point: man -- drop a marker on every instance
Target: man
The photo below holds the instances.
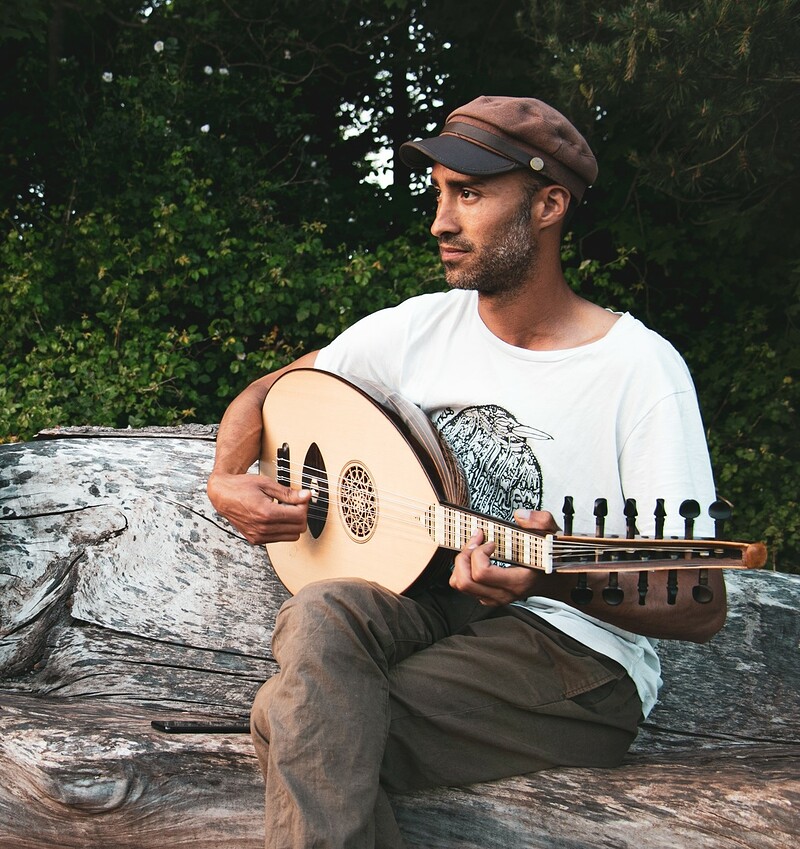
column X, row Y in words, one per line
column 541, row 395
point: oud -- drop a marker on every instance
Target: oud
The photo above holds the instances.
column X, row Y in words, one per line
column 388, row 499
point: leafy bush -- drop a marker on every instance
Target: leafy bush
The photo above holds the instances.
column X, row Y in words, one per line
column 167, row 325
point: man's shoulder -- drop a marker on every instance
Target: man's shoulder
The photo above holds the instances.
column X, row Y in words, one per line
column 426, row 309
column 629, row 330
column 451, row 299
column 647, row 352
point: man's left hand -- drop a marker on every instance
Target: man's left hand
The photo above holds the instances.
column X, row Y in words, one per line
column 475, row 574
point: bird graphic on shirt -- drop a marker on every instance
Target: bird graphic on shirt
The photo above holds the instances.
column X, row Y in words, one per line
column 493, row 449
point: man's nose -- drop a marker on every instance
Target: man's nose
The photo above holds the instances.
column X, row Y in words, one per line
column 445, row 220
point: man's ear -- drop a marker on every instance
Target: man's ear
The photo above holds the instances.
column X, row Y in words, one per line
column 554, row 203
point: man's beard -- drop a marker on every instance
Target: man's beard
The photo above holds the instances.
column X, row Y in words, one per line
column 500, row 268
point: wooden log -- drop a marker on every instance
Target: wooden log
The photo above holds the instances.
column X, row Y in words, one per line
column 123, row 538
column 724, row 801
column 77, row 774
column 124, row 597
column 88, row 774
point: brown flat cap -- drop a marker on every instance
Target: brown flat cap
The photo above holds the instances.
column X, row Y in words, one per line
column 493, row 135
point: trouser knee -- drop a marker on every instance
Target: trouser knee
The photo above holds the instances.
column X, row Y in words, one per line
column 323, row 608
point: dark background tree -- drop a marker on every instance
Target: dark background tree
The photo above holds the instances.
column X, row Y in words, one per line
column 187, row 198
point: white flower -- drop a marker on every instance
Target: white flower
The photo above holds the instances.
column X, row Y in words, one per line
column 107, row 77
column 208, row 70
column 224, row 72
column 205, row 128
column 159, row 47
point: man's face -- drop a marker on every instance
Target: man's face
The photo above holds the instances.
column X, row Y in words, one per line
column 483, row 226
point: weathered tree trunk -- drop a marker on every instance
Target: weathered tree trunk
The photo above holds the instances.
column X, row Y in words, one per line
column 124, row 598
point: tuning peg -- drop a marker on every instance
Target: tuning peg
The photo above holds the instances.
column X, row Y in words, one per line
column 720, row 511
column 642, row 586
column 701, row 592
column 672, row 586
column 613, row 594
column 661, row 514
column 600, row 513
column 581, row 593
column 689, row 510
column 630, row 517
column 568, row 511
column 613, row 590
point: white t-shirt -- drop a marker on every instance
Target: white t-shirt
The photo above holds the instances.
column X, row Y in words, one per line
column 614, row 419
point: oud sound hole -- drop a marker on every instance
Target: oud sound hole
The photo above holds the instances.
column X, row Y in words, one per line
column 315, row 479
column 358, row 502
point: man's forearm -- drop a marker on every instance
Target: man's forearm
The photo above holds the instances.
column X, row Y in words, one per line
column 239, row 436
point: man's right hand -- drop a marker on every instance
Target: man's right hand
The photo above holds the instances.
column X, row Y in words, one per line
column 261, row 509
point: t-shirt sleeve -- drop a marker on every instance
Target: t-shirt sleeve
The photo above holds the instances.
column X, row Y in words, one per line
column 666, row 456
column 371, row 349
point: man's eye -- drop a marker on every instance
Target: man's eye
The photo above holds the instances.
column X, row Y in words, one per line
column 467, row 194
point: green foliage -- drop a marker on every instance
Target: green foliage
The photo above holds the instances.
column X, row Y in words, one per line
column 167, row 235
column 598, row 281
column 750, row 397
column 173, row 321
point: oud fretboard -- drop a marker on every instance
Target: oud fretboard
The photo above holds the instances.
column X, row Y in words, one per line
column 451, row 528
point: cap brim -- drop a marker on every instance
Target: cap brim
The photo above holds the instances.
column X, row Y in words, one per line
column 455, row 153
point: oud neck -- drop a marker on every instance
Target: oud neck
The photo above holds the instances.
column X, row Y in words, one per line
column 451, row 528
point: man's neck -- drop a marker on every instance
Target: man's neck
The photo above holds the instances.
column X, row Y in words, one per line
column 547, row 316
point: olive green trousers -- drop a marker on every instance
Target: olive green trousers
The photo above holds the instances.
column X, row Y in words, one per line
column 383, row 693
